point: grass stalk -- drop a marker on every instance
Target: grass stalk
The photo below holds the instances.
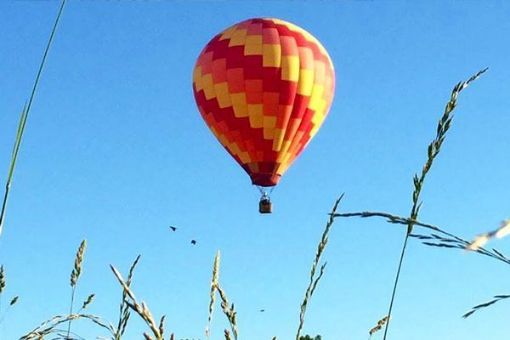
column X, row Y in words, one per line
column 50, row 326
column 229, row 311
column 227, row 307
column 432, row 152
column 23, row 120
column 75, row 275
column 140, row 308
column 314, row 279
column 212, row 294
column 437, row 237
column 124, row 310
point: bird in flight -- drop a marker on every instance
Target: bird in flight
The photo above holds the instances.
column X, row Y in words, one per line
column 193, row 242
column 173, row 228
column 262, row 310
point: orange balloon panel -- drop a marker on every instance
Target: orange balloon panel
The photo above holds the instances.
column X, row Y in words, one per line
column 264, row 87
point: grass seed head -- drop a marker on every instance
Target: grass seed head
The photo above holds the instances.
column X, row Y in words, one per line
column 78, row 261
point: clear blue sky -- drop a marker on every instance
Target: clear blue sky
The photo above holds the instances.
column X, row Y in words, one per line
column 115, row 151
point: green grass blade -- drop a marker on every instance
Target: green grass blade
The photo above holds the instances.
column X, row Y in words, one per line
column 23, row 120
column 12, row 166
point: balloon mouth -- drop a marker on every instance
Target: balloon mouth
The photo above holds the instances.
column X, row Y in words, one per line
column 265, row 179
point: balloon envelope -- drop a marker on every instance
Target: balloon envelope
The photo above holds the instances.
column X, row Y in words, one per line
column 263, row 87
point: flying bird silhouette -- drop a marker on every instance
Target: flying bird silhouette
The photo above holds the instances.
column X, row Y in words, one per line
column 173, row 228
column 193, row 242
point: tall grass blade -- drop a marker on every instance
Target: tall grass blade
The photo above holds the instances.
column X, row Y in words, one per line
column 23, row 120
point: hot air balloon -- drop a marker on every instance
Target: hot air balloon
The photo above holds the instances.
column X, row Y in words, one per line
column 264, row 86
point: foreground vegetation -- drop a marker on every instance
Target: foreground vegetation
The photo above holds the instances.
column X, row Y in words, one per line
column 60, row 326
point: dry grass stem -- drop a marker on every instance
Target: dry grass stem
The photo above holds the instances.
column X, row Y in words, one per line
column 314, row 279
column 228, row 310
column 212, row 294
column 162, row 325
column 140, row 308
column 50, row 326
column 227, row 335
column 124, row 310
